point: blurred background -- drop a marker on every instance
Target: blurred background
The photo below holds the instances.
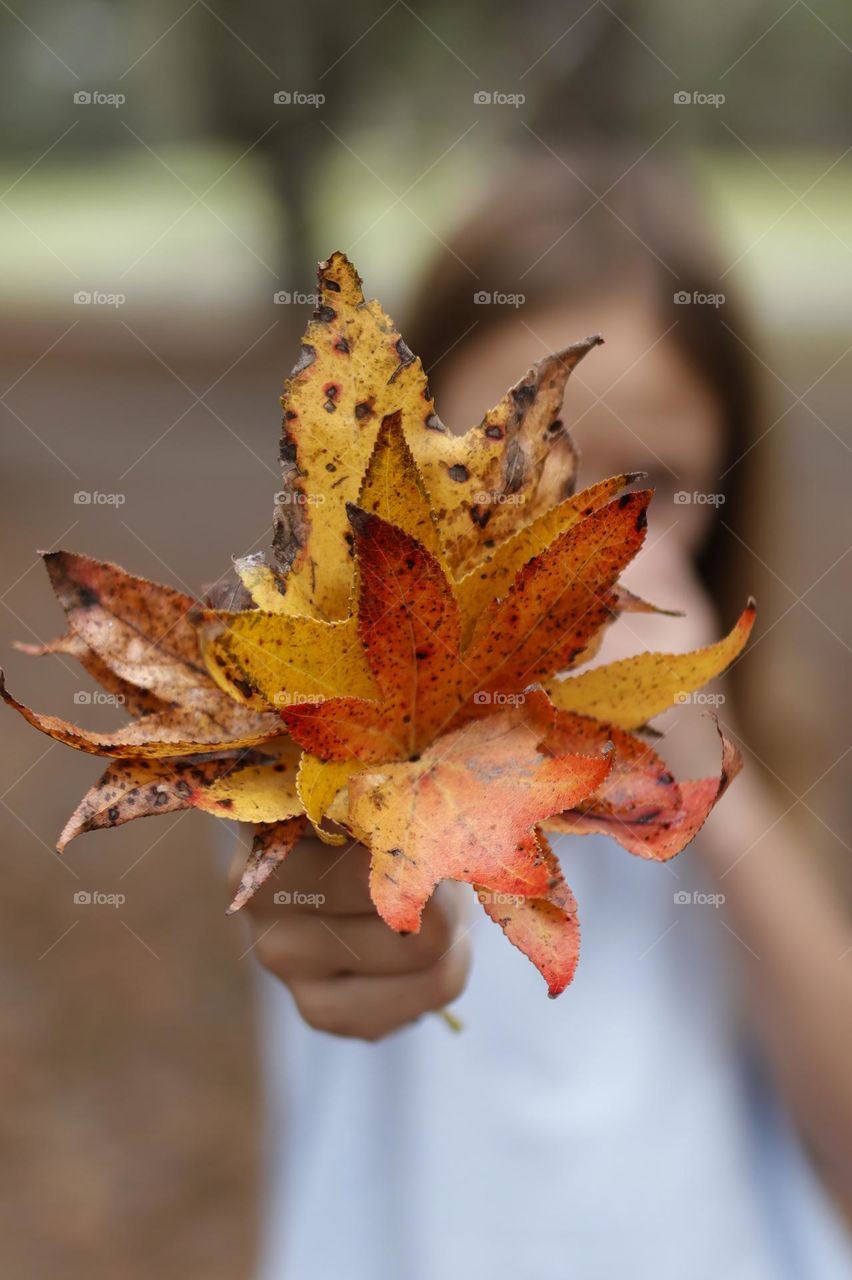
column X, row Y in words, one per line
column 169, row 177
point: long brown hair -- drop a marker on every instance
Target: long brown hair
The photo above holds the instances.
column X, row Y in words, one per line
column 647, row 233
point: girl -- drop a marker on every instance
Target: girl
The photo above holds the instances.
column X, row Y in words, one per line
column 636, row 1126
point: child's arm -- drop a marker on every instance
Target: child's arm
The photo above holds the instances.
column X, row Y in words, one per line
column 795, row 942
column 349, row 973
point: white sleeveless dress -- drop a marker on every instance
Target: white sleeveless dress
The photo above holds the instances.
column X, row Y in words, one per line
column 622, row 1130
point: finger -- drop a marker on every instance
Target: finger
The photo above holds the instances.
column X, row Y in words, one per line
column 369, row 1008
column 313, row 875
column 304, row 945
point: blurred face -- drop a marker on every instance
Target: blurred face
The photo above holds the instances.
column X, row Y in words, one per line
column 632, row 404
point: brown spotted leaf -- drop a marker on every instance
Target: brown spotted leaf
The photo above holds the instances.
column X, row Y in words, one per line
column 142, row 631
column 666, row 835
column 166, row 733
column 354, row 370
column 558, row 601
column 634, row 690
column 137, row 701
column 467, row 810
column 271, row 845
column 253, row 786
column 546, row 929
column 497, row 569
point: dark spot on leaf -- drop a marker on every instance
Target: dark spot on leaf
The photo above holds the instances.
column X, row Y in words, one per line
column 331, row 285
column 480, row 516
column 623, row 501
column 406, row 357
column 641, row 520
column 494, row 432
column 86, row 598
column 459, row 472
column 363, row 410
column 113, row 814
column 325, row 314
column 342, row 345
column 523, row 396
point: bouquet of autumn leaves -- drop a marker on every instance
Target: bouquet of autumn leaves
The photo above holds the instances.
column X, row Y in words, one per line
column 402, row 670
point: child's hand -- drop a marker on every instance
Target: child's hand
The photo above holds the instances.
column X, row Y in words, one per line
column 349, row 973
